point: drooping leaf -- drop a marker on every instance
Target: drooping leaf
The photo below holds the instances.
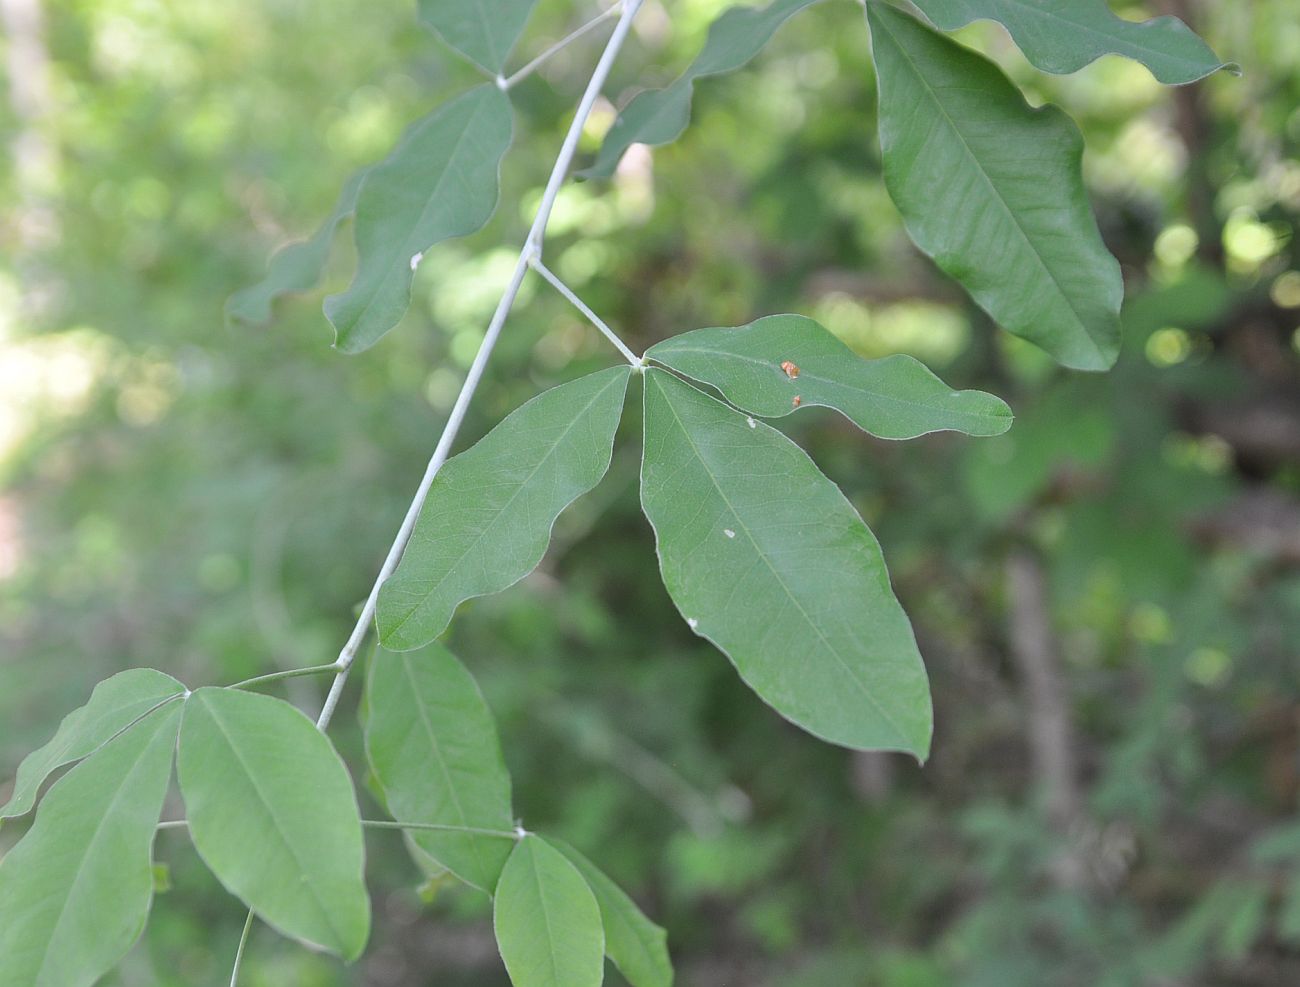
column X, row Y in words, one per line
column 658, row 116
column 547, row 922
column 75, row 891
column 434, row 751
column 765, row 558
column 637, row 946
column 113, row 705
column 993, row 191
column 1063, row 36
column 484, row 31
column 440, row 182
column 488, row 517
column 296, row 266
column 272, row 812
column 783, row 362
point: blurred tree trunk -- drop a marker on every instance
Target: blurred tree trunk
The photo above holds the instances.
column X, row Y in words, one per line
column 35, row 156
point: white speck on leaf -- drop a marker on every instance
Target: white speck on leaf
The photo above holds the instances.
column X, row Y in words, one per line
column 415, row 260
column 752, row 423
column 692, row 623
column 728, row 532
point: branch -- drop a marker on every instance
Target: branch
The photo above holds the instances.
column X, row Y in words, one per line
column 532, row 249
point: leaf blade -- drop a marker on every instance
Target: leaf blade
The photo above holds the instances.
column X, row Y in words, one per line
column 766, row 559
column 440, row 182
column 978, row 184
column 484, row 31
column 76, row 890
column 435, row 753
column 658, row 116
column 487, row 519
column 547, row 923
column 1062, row 36
column 893, row 398
column 637, row 946
column 112, row 706
column 273, row 814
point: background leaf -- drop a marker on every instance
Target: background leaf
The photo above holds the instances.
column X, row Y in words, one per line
column 1063, row 36
column 75, row 891
column 638, row 947
column 488, row 517
column 764, row 557
column 547, row 922
column 658, row 116
column 894, row 398
column 296, row 266
column 993, row 191
column 440, row 182
column 433, row 748
column 273, row 814
column 113, row 705
column 484, row 31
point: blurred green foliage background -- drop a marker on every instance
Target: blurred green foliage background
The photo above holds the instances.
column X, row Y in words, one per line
column 1108, row 598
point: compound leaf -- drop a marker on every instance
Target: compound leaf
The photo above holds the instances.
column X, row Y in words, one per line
column 547, row 922
column 296, row 266
column 488, row 517
column 637, row 946
column 658, row 116
column 440, row 182
column 1063, row 36
column 765, row 558
column 272, row 812
column 114, row 704
column 75, row 891
column 433, row 749
column 993, row 191
column 484, row 31
column 783, row 362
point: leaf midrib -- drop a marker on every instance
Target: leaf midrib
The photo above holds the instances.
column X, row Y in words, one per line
column 902, row 734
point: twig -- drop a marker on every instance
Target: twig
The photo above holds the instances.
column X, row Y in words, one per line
column 239, row 953
column 517, row 77
column 532, row 248
column 581, row 306
column 291, row 673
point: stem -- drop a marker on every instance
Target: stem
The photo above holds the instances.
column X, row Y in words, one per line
column 536, row 63
column 292, row 673
column 501, row 834
column 239, row 953
column 532, row 247
column 581, row 306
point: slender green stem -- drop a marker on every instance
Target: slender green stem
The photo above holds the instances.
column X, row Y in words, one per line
column 554, row 281
column 292, row 673
column 559, row 46
column 239, row 953
column 501, row 834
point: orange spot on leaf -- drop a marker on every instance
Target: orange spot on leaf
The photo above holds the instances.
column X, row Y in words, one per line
column 790, row 369
column 797, row 400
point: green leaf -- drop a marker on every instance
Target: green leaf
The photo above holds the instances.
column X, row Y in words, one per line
column 993, row 191
column 75, row 891
column 638, row 947
column 115, row 704
column 440, row 182
column 547, row 921
column 295, row 267
column 658, row 116
column 273, row 814
column 763, row 367
column 765, row 557
column 488, row 517
column 1063, row 36
column 484, row 31
column 434, row 751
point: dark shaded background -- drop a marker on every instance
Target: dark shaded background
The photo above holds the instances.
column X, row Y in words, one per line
column 1108, row 598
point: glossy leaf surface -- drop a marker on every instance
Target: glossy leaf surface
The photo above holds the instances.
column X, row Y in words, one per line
column 440, row 182
column 433, row 748
column 658, row 116
column 547, row 922
column 273, row 814
column 484, row 31
column 488, row 517
column 993, row 191
column 296, row 266
column 1063, row 36
column 762, row 368
column 75, row 891
column 765, row 558
column 113, row 705
column 637, row 946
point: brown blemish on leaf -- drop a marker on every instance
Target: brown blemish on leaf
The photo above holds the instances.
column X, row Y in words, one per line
column 790, row 369
column 797, row 400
